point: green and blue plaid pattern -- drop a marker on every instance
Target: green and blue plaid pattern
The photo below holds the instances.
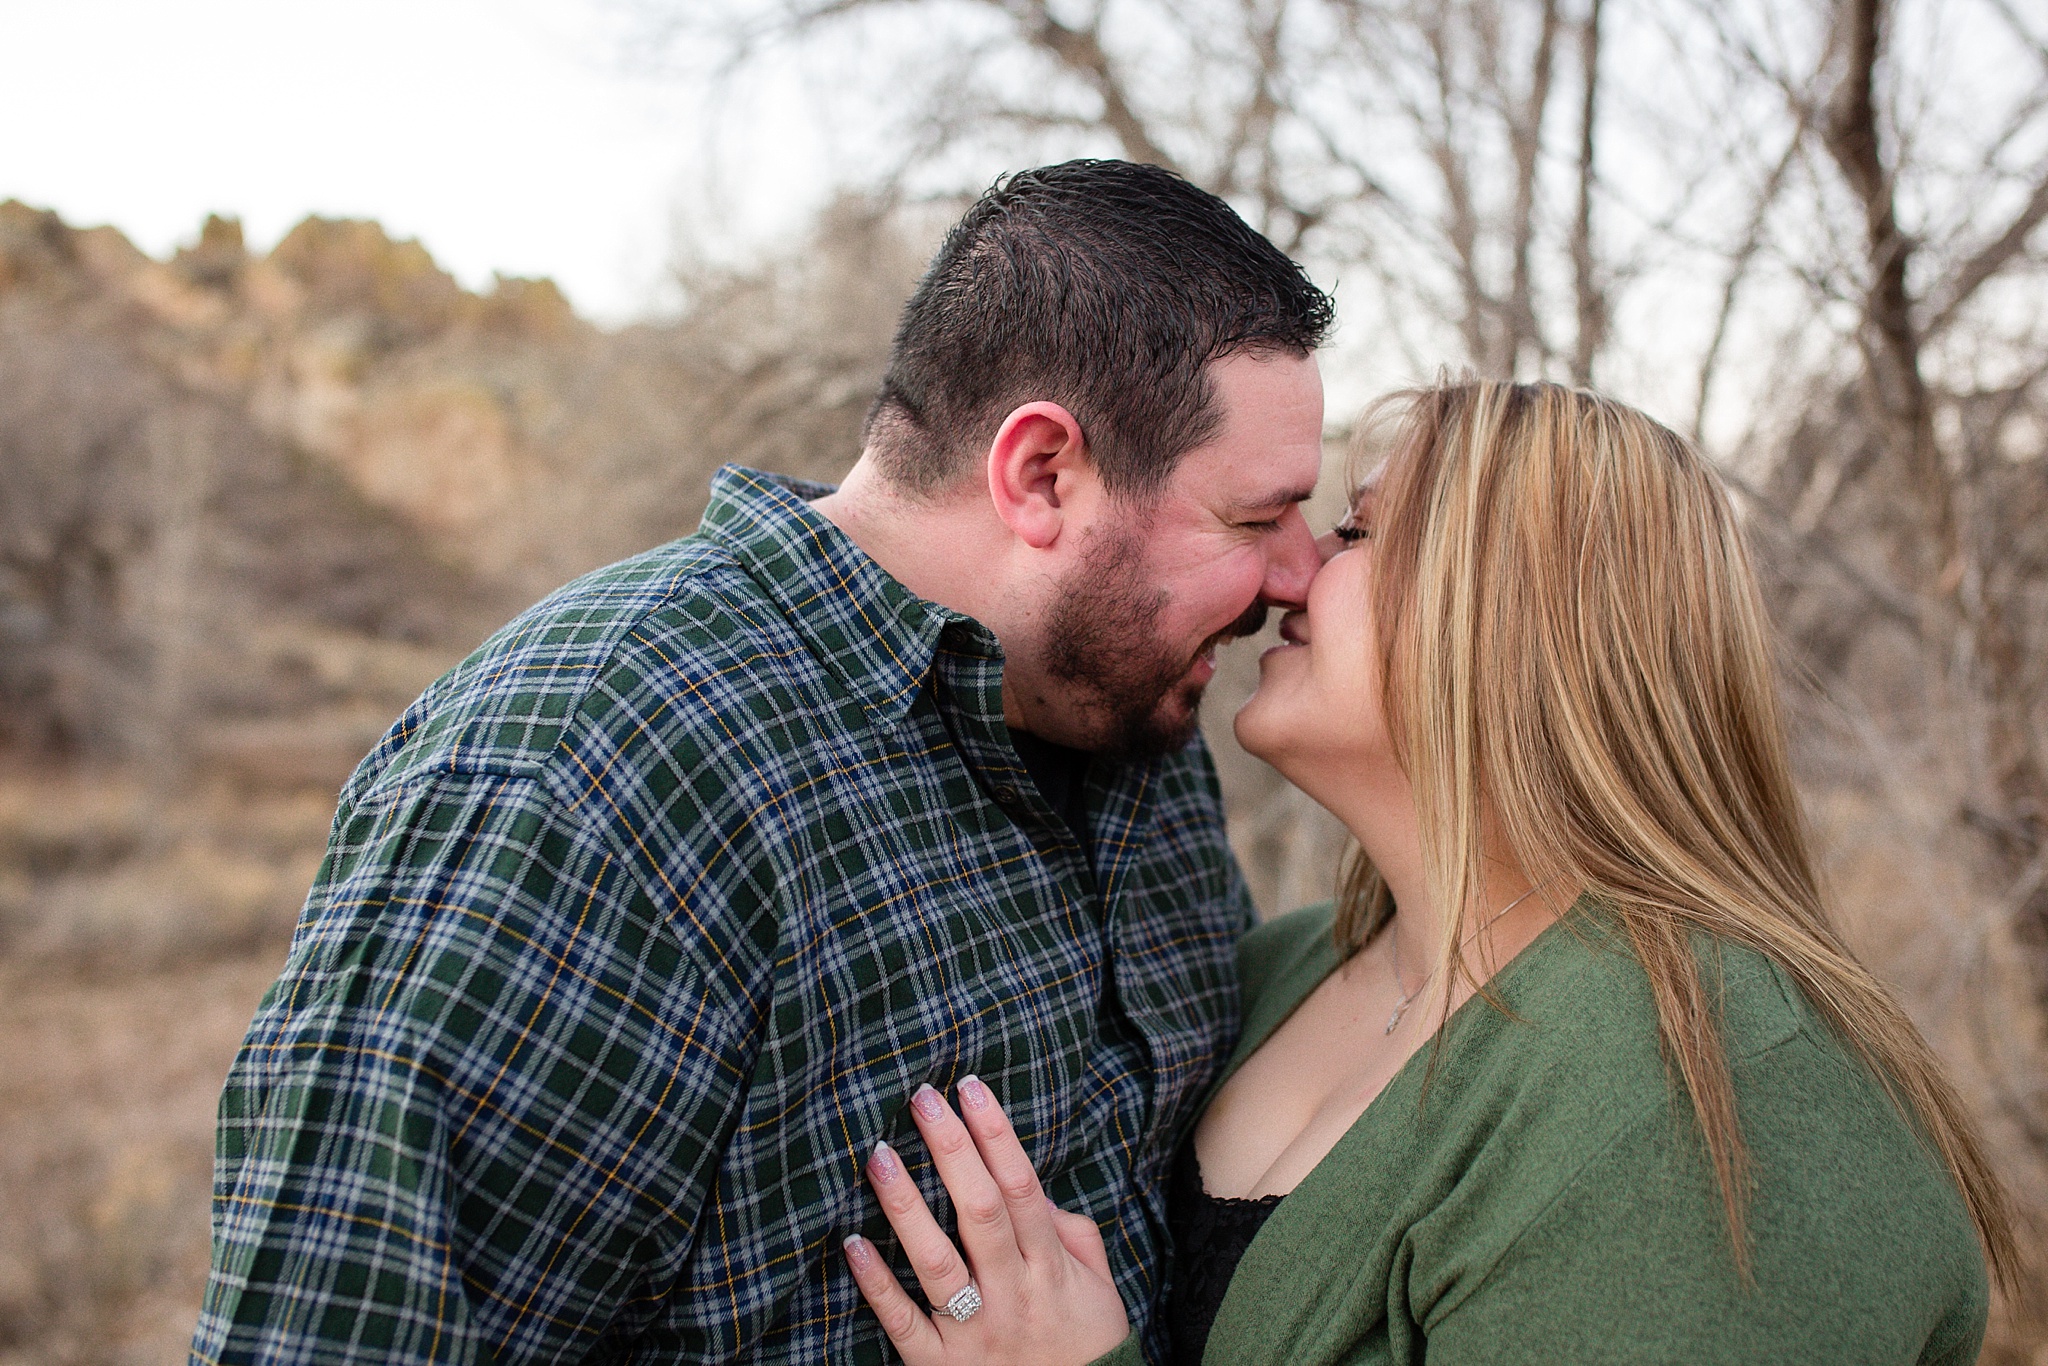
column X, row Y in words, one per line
column 641, row 927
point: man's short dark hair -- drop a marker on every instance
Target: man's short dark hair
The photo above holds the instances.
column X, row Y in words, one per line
column 1103, row 286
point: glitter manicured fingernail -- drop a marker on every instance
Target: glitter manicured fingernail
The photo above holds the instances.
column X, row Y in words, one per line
column 973, row 1094
column 928, row 1103
column 883, row 1164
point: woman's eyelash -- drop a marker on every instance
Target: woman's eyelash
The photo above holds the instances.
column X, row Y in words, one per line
column 1352, row 534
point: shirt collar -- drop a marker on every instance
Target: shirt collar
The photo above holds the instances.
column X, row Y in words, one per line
column 874, row 634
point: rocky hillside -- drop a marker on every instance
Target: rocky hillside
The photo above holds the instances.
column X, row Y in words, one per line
column 239, row 487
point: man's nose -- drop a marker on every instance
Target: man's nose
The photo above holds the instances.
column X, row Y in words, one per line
column 1292, row 561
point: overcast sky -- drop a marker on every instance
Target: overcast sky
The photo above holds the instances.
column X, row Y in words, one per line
column 507, row 135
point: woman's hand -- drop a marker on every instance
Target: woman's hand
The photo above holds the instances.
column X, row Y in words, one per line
column 1047, row 1296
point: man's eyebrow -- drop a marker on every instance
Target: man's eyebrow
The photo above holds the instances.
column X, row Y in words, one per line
column 1275, row 500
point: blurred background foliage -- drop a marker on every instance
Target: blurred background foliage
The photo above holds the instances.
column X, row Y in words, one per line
column 251, row 502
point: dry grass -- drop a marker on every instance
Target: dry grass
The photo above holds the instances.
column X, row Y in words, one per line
column 107, row 1091
column 1911, row 911
column 141, row 927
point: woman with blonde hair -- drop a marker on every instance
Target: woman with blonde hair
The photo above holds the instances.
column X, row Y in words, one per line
column 1577, row 1068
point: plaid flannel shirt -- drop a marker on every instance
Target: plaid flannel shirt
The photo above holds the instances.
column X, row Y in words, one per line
column 640, row 928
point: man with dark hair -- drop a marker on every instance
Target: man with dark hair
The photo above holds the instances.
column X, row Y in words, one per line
column 1102, row 286
column 646, row 923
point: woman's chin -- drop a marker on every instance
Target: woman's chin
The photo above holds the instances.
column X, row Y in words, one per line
column 1261, row 724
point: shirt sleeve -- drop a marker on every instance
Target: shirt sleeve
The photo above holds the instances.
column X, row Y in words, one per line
column 475, row 1118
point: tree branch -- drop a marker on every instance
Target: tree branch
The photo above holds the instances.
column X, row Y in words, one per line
column 2030, row 40
column 1081, row 52
column 1256, row 117
column 1890, row 341
column 1525, row 138
column 1738, row 270
column 1586, row 292
column 1990, row 260
column 1460, row 224
column 1899, row 607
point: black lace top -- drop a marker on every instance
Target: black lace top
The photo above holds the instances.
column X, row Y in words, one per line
column 1210, row 1235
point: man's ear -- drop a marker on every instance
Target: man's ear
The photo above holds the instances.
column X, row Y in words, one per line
column 1036, row 465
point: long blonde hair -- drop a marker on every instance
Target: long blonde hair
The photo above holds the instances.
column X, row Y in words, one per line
column 1572, row 638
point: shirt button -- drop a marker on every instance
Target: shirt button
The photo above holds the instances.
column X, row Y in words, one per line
column 1006, row 794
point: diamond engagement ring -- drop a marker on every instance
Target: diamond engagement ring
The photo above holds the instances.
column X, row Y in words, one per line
column 965, row 1304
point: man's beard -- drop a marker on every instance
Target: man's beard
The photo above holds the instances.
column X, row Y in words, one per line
column 1101, row 639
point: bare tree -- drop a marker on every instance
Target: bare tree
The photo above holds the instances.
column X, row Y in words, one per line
column 1364, row 136
column 1952, row 499
column 1814, row 229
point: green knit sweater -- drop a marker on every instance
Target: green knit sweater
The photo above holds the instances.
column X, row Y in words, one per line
column 1545, row 1196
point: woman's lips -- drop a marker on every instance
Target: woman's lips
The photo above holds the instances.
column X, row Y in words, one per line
column 1293, row 635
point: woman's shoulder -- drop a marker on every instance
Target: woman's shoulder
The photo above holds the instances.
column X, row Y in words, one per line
column 1570, row 1125
column 1578, row 997
column 1568, row 1062
column 1582, row 978
column 1583, row 1004
column 1589, row 984
column 1287, row 956
column 1829, row 1149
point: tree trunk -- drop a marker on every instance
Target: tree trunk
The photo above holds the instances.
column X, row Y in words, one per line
column 1586, row 292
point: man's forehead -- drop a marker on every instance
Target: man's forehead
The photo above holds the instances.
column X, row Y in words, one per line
column 1263, row 469
column 1255, row 483
column 1267, row 452
column 1243, row 486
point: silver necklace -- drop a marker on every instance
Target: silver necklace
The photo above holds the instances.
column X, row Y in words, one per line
column 1394, row 953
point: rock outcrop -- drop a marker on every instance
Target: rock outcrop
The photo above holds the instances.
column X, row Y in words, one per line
column 205, row 458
